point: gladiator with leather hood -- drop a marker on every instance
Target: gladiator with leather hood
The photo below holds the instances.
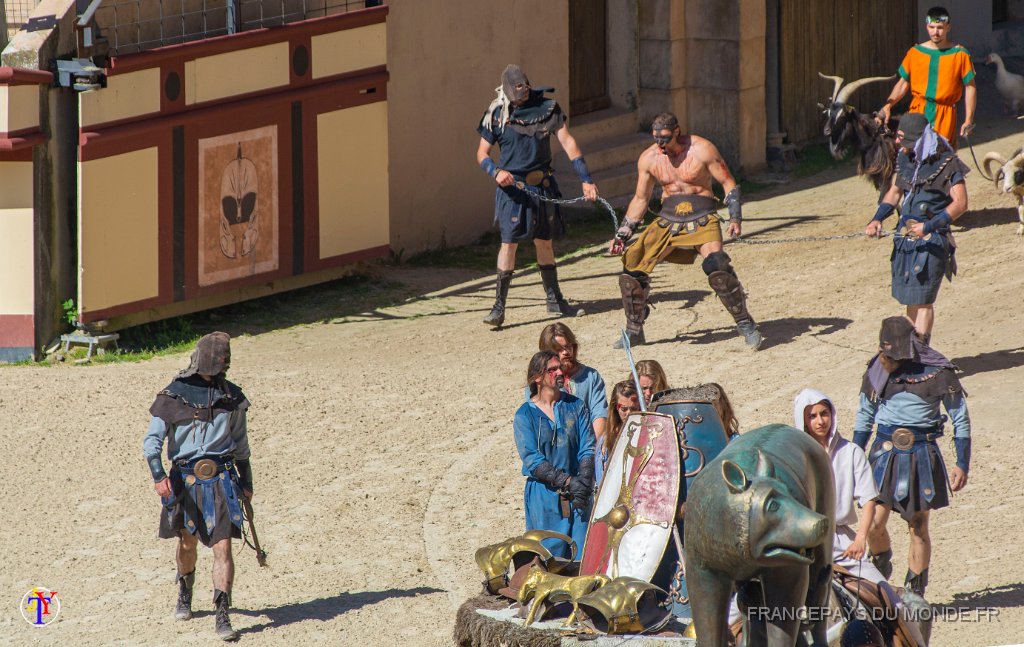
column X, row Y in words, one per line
column 903, row 389
column 201, row 418
column 684, row 166
column 520, row 121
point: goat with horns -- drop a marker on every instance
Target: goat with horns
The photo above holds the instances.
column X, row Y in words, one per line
column 846, row 128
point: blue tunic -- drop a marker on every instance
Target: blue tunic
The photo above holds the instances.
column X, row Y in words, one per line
column 563, row 442
column 519, row 215
column 918, row 265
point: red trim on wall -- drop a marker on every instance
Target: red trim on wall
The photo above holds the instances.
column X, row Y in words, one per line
column 22, row 139
column 345, row 87
column 17, row 331
column 22, row 76
column 254, row 38
column 17, row 155
column 106, row 313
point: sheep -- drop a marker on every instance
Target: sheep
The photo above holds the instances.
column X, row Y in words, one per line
column 1009, row 178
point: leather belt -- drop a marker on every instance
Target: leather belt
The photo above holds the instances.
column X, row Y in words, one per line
column 204, row 468
column 904, row 438
column 681, row 209
column 534, row 178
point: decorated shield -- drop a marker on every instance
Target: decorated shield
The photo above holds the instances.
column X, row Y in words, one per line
column 635, row 507
column 699, row 428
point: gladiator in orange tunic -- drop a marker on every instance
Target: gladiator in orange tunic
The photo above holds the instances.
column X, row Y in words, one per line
column 937, row 78
column 937, row 73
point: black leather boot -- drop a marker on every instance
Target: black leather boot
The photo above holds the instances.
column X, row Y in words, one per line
column 730, row 292
column 222, row 600
column 183, row 610
column 556, row 302
column 916, row 582
column 497, row 315
column 635, row 290
column 883, row 562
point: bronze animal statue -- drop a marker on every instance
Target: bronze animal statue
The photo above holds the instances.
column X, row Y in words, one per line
column 846, row 128
column 764, row 510
column 541, row 585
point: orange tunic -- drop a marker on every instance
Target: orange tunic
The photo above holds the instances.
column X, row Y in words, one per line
column 937, row 78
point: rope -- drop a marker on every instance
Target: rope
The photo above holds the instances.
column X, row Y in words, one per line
column 974, row 157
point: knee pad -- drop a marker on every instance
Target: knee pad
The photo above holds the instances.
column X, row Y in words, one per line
column 641, row 278
column 717, row 262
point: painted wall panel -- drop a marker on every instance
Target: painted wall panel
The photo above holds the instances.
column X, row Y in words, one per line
column 15, row 185
column 346, row 51
column 233, row 73
column 118, row 244
column 352, row 164
column 19, row 107
column 126, row 96
column 16, row 262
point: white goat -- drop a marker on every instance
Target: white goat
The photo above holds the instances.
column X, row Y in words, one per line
column 1009, row 178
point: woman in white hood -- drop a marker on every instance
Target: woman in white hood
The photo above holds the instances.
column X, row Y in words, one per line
column 814, row 412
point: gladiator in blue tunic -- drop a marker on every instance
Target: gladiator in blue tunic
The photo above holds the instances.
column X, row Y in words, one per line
column 903, row 406
column 553, row 451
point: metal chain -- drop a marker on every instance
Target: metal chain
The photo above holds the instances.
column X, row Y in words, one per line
column 543, row 198
column 804, row 239
column 676, row 586
column 774, row 241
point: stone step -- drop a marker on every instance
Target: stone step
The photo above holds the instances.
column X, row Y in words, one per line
column 603, row 123
column 607, row 152
column 616, row 182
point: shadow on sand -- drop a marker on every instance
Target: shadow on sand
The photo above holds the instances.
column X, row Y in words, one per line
column 324, row 609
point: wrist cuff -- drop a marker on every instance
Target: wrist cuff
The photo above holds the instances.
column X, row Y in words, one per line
column 156, row 468
column 489, row 167
column 884, row 211
column 937, row 222
column 580, row 166
column 963, row 453
column 860, row 439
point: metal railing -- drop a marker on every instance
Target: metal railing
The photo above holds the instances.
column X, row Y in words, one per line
column 131, row 26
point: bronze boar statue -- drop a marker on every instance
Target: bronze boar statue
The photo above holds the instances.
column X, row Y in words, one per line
column 760, row 521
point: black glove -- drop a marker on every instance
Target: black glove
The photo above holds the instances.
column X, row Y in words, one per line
column 244, row 473
column 581, row 488
column 551, row 476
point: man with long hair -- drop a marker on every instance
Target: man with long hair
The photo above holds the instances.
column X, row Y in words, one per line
column 555, row 442
column 580, row 380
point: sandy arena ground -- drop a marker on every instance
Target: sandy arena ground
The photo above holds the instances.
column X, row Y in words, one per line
column 383, row 450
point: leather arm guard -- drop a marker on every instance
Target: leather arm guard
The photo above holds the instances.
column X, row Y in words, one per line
column 244, row 473
column 580, row 166
column 626, row 229
column 551, row 476
column 732, row 200
column 582, row 486
column 963, row 452
column 156, row 467
column 937, row 222
column 860, row 439
column 884, row 211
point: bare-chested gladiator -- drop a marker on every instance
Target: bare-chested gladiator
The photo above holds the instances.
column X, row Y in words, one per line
column 684, row 166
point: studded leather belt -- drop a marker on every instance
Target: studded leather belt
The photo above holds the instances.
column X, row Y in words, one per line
column 904, row 438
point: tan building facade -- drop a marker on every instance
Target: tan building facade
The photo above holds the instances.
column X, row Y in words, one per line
column 361, row 130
